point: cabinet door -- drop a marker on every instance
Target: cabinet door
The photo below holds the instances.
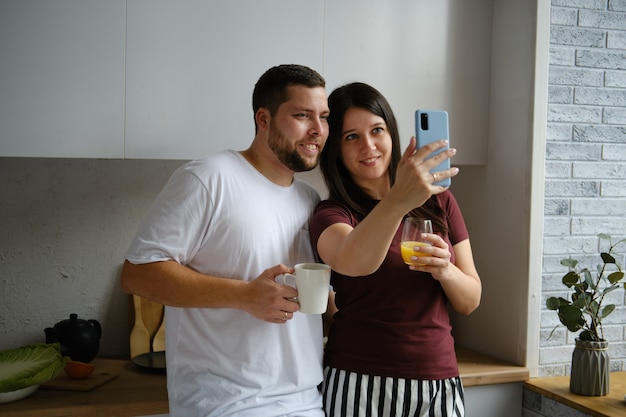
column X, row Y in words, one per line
column 495, row 400
column 419, row 54
column 62, row 78
column 192, row 66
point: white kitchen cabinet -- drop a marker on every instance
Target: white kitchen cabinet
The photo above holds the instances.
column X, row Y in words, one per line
column 497, row 400
column 62, row 78
column 173, row 79
column 419, row 54
column 192, row 66
column 191, row 69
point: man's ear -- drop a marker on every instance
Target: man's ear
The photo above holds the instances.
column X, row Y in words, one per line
column 262, row 118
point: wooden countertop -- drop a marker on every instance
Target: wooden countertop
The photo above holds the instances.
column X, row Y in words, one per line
column 557, row 389
column 135, row 392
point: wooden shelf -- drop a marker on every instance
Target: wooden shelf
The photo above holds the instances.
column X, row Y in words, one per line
column 478, row 369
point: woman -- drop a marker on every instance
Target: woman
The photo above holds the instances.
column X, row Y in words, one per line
column 390, row 350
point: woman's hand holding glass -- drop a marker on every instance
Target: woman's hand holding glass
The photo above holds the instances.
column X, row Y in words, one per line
column 417, row 236
column 412, row 239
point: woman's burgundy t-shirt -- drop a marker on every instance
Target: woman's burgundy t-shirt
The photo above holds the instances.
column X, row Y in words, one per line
column 394, row 322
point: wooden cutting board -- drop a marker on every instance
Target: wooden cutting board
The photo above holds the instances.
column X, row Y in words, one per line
column 149, row 322
column 93, row 381
column 152, row 314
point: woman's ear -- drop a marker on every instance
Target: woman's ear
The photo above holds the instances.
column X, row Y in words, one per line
column 262, row 118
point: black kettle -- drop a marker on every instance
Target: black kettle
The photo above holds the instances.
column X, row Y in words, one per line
column 79, row 339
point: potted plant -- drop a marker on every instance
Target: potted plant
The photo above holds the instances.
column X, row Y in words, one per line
column 584, row 312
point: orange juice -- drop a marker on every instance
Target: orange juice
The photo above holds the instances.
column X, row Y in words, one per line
column 406, row 249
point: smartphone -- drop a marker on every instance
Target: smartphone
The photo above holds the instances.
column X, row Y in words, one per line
column 431, row 126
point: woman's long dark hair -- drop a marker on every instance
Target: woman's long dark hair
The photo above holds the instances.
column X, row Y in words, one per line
column 340, row 183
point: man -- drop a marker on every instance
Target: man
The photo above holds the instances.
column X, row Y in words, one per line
column 210, row 249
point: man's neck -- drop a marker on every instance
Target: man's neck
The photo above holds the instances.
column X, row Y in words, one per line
column 268, row 165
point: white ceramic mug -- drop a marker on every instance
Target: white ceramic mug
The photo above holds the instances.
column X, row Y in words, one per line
column 313, row 284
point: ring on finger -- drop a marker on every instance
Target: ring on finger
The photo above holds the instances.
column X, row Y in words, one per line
column 434, row 177
column 285, row 316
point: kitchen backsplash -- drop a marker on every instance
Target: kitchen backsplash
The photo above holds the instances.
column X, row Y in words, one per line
column 66, row 225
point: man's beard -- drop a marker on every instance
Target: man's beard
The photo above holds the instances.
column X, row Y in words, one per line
column 289, row 156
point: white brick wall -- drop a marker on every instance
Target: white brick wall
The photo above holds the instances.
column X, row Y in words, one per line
column 585, row 187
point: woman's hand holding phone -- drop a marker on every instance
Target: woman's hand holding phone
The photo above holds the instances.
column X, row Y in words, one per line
column 414, row 180
column 432, row 126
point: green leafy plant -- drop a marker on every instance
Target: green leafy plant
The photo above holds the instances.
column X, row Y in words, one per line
column 585, row 311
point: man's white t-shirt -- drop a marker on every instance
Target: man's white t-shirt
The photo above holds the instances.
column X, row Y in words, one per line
column 221, row 217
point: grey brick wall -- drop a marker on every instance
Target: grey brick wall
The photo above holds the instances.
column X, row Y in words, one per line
column 585, row 188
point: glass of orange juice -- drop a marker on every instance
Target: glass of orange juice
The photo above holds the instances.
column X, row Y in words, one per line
column 412, row 230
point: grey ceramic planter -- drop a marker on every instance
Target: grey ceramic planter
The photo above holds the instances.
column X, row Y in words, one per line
column 590, row 368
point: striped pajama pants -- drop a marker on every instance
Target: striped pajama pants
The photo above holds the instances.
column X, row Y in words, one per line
column 349, row 394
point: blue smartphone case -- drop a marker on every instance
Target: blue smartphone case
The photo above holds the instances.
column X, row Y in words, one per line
column 431, row 126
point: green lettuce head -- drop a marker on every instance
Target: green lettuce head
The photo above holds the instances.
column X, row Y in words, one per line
column 30, row 365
